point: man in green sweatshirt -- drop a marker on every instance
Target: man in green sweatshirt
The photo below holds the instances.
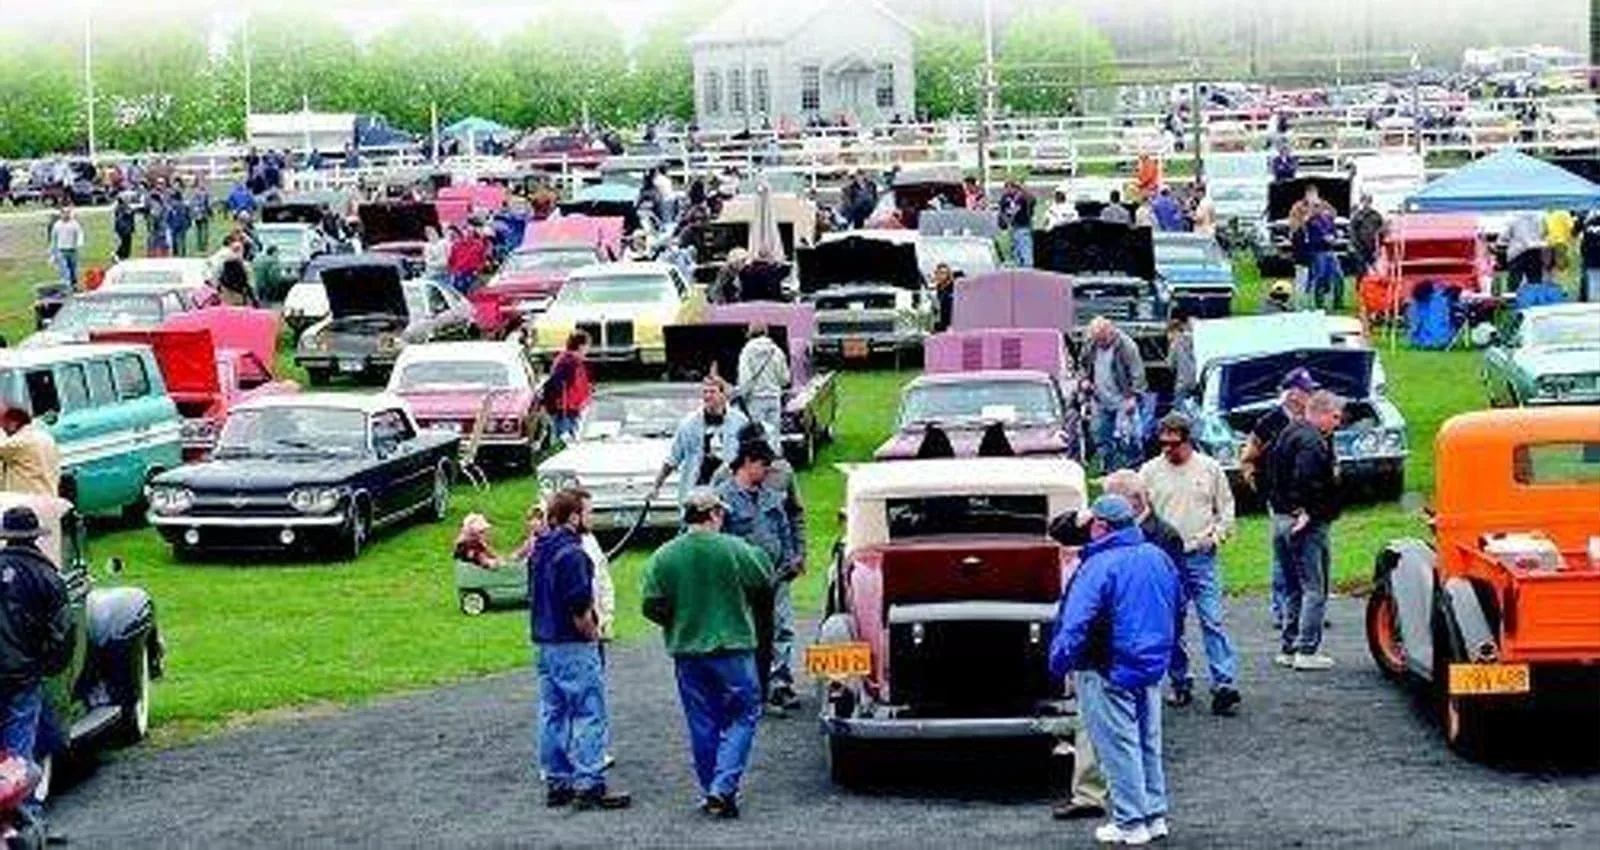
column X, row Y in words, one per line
column 704, row 589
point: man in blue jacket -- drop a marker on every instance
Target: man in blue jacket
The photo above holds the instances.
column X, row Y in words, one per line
column 1115, row 634
column 573, row 729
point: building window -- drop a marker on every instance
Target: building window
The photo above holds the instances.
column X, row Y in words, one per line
column 886, row 85
column 811, row 88
column 760, row 91
column 736, row 91
column 713, row 93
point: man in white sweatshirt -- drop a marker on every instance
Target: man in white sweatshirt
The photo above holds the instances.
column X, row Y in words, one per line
column 763, row 378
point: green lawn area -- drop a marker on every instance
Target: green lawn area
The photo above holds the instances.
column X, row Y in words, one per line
column 246, row 639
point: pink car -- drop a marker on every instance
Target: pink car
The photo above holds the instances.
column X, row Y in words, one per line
column 453, row 386
column 527, row 282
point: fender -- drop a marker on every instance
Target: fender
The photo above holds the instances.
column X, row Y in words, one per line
column 1407, row 567
column 1473, row 628
column 119, row 615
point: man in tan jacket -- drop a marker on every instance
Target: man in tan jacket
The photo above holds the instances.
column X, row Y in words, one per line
column 29, row 459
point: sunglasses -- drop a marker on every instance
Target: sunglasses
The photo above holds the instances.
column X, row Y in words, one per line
column 1170, row 444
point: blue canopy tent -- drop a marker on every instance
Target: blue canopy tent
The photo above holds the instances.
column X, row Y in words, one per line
column 1507, row 180
column 481, row 128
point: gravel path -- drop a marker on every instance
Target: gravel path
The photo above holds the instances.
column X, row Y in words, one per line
column 1341, row 758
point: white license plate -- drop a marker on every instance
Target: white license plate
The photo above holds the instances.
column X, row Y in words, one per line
column 351, row 366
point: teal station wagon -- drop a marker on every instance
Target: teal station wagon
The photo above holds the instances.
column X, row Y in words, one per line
column 110, row 415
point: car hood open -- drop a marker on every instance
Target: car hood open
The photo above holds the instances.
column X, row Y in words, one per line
column 187, row 358
column 1283, row 194
column 373, row 289
column 1090, row 247
column 855, row 259
column 397, row 221
column 1247, row 380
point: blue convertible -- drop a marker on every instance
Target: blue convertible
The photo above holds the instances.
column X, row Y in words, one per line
column 1198, row 272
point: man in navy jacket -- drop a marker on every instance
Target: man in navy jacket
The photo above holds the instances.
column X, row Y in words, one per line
column 1115, row 633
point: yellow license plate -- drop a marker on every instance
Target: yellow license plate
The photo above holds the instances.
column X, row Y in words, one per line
column 1478, row 679
column 838, row 660
column 856, row 349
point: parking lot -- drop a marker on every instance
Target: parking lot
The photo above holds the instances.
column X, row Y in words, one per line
column 1337, row 759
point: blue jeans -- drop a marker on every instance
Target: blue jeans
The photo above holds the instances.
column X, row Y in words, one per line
column 1327, row 279
column 573, row 730
column 1278, row 588
column 1022, row 247
column 722, row 705
column 767, row 411
column 1305, row 573
column 69, row 266
column 1203, row 587
column 1114, row 454
column 782, row 637
column 1125, row 727
column 564, row 426
column 1591, row 285
column 19, row 728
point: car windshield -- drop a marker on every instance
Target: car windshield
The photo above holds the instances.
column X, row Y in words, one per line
column 145, row 277
column 454, row 373
column 105, row 313
column 270, row 431
column 1188, row 252
column 1563, row 329
column 621, row 289
column 986, row 401
column 944, row 516
column 964, row 255
column 538, row 261
column 637, row 415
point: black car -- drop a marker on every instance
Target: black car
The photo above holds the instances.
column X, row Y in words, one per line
column 316, row 470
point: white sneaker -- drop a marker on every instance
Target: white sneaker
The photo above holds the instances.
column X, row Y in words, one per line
column 1157, row 829
column 1112, row 834
column 1313, row 662
column 1284, row 659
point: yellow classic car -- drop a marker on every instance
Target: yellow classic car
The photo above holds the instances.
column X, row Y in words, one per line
column 622, row 307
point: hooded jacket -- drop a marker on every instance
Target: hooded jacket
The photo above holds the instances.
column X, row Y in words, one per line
column 1119, row 615
column 35, row 619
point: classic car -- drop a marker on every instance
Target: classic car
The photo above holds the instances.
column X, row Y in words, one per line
column 602, row 234
column 796, row 219
column 400, row 229
column 1446, row 249
column 108, row 410
column 373, row 314
column 606, row 201
column 1198, row 272
column 451, row 385
column 1019, row 380
column 623, row 308
column 869, row 294
column 295, row 245
column 1014, row 298
column 112, row 309
column 811, row 402
column 1275, row 258
column 103, row 696
column 939, row 609
column 1498, row 617
column 964, row 240
column 306, row 470
column 1240, row 362
column 306, row 303
column 211, row 360
column 915, row 190
column 526, row 283
column 622, row 443
column 162, row 274
column 1548, row 355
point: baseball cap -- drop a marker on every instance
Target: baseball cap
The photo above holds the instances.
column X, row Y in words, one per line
column 703, row 500
column 1114, row 511
column 1299, row 379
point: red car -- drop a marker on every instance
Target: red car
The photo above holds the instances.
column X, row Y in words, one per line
column 1445, row 249
column 527, row 282
column 485, row 391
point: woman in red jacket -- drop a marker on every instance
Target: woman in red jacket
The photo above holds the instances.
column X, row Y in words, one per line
column 567, row 390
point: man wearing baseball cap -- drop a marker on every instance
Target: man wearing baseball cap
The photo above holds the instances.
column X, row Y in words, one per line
column 1115, row 632
column 1295, row 388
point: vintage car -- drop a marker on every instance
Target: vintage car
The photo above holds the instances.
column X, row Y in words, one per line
column 869, row 294
column 1198, row 272
column 796, row 218
column 108, row 410
column 811, row 402
column 1548, row 355
column 1446, row 249
column 211, row 360
column 1240, row 362
column 294, row 245
column 373, row 314
column 1275, row 258
column 962, row 239
column 162, row 274
column 452, row 385
column 103, row 696
column 1017, row 380
column 305, row 470
column 622, row 307
column 940, row 607
column 915, row 190
column 1499, row 616
column 605, row 201
column 527, row 283
column 623, row 441
column 112, row 309
column 399, row 229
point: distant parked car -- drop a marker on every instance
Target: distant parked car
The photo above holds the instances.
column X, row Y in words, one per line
column 485, row 391
column 1549, row 355
column 1198, row 273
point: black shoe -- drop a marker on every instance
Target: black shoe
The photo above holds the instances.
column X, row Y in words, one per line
column 556, row 796
column 600, row 798
column 719, row 807
column 1225, row 702
column 1068, row 810
column 784, row 698
column 1180, row 697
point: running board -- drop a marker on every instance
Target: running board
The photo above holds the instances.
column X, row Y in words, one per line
column 97, row 721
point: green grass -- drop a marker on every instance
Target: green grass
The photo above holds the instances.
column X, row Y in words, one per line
column 246, row 639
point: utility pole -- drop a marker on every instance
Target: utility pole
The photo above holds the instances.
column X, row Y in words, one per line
column 1196, row 118
column 987, row 108
column 245, row 41
column 88, row 75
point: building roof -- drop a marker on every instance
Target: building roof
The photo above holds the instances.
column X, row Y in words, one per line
column 758, row 21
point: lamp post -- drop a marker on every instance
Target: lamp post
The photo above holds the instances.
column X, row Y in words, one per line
column 244, row 38
column 987, row 108
column 88, row 75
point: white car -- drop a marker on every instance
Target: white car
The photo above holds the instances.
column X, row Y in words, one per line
column 161, row 274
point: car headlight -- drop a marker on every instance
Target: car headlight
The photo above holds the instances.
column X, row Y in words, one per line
column 320, row 341
column 1146, row 311
column 1555, row 385
column 170, row 500
column 315, row 500
column 1392, row 442
column 1365, row 444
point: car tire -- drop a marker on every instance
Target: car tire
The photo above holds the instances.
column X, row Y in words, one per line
column 439, row 493
column 849, row 762
column 1383, row 632
column 473, row 602
column 317, row 376
column 353, row 535
column 134, row 724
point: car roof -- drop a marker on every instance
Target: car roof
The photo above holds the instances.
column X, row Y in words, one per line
column 1019, row 376
column 24, row 358
column 622, row 269
column 977, row 476
column 435, row 352
column 364, row 402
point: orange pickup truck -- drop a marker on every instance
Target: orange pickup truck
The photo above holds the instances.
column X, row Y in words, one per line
column 1500, row 615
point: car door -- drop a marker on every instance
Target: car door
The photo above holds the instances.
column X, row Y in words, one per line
column 403, row 468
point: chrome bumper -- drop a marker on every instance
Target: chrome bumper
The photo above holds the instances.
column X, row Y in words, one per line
column 950, row 728
column 180, row 521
